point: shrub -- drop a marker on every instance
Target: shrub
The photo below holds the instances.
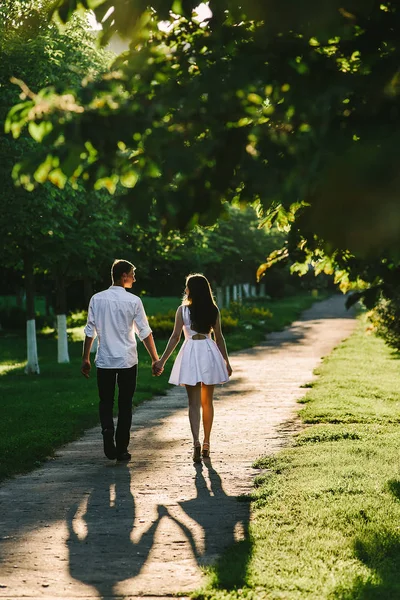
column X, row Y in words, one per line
column 247, row 315
column 228, row 323
column 43, row 321
column 162, row 324
column 77, row 319
column 385, row 317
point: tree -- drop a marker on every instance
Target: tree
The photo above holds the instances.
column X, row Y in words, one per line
column 80, row 246
column 227, row 252
column 291, row 105
column 34, row 50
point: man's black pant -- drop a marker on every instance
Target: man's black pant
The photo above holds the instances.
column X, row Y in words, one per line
column 106, row 380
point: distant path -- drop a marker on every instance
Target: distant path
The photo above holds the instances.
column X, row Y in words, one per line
column 82, row 527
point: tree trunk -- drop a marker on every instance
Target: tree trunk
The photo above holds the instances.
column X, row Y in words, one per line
column 32, row 365
column 19, row 297
column 61, row 310
column 87, row 290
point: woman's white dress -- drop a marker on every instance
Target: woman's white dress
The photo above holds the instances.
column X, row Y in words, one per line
column 198, row 360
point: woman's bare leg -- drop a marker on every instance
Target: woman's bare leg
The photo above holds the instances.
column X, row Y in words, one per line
column 194, row 398
column 207, row 393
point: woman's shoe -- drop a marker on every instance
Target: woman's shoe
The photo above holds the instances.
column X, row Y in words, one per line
column 197, row 454
column 206, row 450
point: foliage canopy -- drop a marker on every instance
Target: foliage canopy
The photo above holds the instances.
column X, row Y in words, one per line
column 293, row 105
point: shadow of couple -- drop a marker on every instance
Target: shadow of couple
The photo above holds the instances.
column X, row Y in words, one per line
column 106, row 546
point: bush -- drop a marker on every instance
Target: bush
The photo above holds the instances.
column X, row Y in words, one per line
column 247, row 315
column 43, row 321
column 385, row 317
column 162, row 324
column 228, row 323
column 77, row 319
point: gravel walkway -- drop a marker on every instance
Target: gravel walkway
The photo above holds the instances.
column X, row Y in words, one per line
column 82, row 527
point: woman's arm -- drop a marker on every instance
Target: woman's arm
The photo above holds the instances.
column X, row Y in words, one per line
column 220, row 341
column 174, row 339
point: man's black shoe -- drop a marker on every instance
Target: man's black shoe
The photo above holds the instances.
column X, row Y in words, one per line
column 108, row 443
column 123, row 457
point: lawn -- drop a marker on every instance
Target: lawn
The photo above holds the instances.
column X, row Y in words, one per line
column 326, row 512
column 162, row 305
column 42, row 412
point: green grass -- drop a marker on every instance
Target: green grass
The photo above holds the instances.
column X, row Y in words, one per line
column 41, row 413
column 365, row 395
column 326, row 512
column 162, row 305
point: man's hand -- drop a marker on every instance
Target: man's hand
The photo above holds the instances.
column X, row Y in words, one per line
column 157, row 367
column 85, row 368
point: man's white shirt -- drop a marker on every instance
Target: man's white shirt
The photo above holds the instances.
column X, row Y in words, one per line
column 115, row 315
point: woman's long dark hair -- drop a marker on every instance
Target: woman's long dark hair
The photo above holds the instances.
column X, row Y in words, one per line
column 203, row 310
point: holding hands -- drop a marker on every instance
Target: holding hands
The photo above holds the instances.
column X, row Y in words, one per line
column 157, row 367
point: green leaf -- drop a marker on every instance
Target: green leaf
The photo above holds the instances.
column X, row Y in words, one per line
column 39, row 130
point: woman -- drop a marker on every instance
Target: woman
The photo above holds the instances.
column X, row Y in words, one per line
column 202, row 362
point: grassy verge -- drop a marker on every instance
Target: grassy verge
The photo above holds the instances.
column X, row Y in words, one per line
column 41, row 413
column 327, row 511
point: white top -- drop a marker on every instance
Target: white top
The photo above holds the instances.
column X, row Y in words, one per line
column 115, row 315
column 198, row 360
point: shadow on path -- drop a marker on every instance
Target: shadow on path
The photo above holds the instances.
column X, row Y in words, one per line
column 102, row 551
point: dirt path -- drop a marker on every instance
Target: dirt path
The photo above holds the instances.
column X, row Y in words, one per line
column 83, row 527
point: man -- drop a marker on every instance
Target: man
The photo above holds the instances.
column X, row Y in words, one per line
column 115, row 316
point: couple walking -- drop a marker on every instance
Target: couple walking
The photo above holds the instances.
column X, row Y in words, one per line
column 114, row 316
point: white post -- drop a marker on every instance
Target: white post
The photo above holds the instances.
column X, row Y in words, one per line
column 220, row 297
column 262, row 289
column 32, row 365
column 240, row 293
column 246, row 289
column 235, row 293
column 227, row 296
column 253, row 291
column 62, row 339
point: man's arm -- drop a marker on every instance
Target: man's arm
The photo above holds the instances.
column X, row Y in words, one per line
column 143, row 331
column 151, row 348
column 86, row 366
column 90, row 334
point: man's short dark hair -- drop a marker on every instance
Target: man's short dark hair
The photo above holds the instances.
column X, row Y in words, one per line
column 119, row 267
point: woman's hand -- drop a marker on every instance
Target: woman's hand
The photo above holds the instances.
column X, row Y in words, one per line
column 229, row 368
